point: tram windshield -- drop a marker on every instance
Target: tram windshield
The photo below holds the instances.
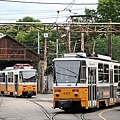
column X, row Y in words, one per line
column 66, row 71
column 28, row 76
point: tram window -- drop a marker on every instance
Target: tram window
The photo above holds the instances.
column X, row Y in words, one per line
column 103, row 73
column 83, row 75
column 16, row 78
column 100, row 73
column 106, row 68
column 21, row 77
column 10, row 77
column 116, row 73
column 83, row 72
column 100, row 67
column 92, row 75
column 106, row 78
column 106, row 73
column 2, row 77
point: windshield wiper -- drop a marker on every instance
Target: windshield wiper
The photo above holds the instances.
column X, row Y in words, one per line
column 66, row 75
column 66, row 69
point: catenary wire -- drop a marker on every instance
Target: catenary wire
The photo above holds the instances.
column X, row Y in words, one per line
column 48, row 2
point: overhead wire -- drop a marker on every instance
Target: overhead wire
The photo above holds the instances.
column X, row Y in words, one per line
column 68, row 8
column 18, row 1
column 65, row 9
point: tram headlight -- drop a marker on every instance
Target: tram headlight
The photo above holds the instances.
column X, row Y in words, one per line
column 76, row 94
column 24, row 87
column 75, row 91
column 57, row 94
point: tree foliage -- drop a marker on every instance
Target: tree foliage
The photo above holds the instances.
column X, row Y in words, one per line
column 106, row 9
column 29, row 37
column 28, row 19
column 109, row 9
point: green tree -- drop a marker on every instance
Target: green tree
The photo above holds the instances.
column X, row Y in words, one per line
column 93, row 13
column 116, row 47
column 109, row 9
column 106, row 9
column 28, row 19
column 28, row 38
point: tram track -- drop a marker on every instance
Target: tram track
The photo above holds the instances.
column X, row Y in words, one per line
column 44, row 110
column 54, row 116
column 48, row 113
column 78, row 115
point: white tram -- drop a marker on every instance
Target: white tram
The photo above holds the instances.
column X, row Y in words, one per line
column 19, row 80
column 85, row 82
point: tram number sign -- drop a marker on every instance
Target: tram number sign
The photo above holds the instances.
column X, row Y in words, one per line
column 66, row 93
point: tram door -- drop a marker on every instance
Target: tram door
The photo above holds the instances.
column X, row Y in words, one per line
column 16, row 83
column 6, row 84
column 92, row 87
column 111, row 86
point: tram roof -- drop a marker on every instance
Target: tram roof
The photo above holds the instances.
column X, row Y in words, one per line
column 83, row 56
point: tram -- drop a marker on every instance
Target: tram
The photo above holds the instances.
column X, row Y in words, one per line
column 19, row 80
column 82, row 82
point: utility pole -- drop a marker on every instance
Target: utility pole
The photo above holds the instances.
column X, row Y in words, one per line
column 68, row 39
column 39, row 64
column 110, row 39
column 43, row 67
column 56, row 48
column 38, row 43
column 45, row 50
column 69, row 20
column 82, row 42
column 44, row 80
column 69, row 45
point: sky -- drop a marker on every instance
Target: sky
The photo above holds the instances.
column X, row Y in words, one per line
column 11, row 11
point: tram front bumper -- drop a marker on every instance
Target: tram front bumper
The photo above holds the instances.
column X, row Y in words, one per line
column 65, row 103
column 29, row 93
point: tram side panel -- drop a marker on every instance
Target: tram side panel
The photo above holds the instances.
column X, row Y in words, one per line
column 7, row 84
column 106, row 87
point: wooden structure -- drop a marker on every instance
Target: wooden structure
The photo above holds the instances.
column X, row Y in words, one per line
column 12, row 52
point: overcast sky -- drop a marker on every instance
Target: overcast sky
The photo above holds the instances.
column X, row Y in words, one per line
column 12, row 11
